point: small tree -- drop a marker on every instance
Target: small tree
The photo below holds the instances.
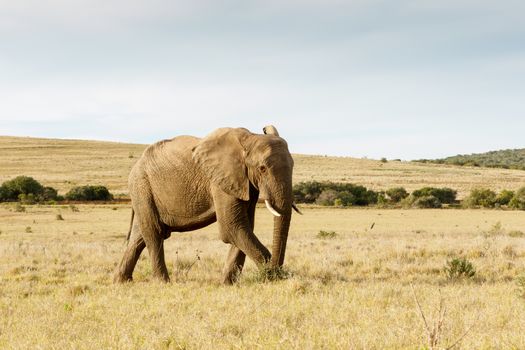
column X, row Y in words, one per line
column 12, row 189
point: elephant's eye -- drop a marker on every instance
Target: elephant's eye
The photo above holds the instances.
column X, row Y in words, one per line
column 262, row 169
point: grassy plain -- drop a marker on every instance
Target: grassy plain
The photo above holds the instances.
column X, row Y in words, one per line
column 349, row 291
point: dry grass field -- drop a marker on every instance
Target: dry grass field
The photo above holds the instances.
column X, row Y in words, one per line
column 354, row 289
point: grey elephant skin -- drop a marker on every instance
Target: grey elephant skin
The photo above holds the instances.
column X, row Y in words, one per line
column 187, row 183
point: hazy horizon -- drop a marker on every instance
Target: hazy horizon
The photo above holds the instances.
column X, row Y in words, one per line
column 374, row 79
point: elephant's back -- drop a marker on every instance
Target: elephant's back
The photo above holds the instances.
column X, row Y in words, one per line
column 181, row 145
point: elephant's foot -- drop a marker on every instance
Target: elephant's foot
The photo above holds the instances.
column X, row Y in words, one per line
column 122, row 278
column 233, row 266
column 230, row 277
column 162, row 275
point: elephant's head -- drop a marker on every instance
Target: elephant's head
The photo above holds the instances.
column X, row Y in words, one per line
column 234, row 159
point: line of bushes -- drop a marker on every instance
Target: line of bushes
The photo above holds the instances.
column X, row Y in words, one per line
column 342, row 195
column 27, row 190
column 486, row 198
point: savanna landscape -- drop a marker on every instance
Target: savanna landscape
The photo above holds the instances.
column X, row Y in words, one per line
column 355, row 277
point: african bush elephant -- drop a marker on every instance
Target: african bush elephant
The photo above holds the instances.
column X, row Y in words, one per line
column 187, row 183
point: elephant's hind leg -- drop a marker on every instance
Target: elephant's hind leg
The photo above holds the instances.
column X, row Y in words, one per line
column 153, row 235
column 135, row 246
column 233, row 266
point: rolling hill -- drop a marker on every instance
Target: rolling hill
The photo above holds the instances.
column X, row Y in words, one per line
column 66, row 163
column 504, row 159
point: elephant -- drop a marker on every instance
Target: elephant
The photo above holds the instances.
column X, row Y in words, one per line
column 186, row 183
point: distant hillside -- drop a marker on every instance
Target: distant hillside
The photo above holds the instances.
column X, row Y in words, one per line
column 505, row 159
column 63, row 164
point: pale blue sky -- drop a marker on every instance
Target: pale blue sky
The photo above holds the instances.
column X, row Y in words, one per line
column 397, row 79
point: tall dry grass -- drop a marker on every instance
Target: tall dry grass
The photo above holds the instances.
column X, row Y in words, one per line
column 349, row 290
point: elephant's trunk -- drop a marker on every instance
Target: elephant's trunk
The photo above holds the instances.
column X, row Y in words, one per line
column 280, row 237
column 281, row 225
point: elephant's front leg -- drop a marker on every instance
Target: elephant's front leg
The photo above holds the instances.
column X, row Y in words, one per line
column 236, row 257
column 236, row 228
column 233, row 266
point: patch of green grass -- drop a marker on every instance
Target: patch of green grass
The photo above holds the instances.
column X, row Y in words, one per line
column 459, row 268
column 326, row 234
column 516, row 234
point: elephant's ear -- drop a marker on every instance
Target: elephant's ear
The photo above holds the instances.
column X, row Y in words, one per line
column 270, row 130
column 223, row 158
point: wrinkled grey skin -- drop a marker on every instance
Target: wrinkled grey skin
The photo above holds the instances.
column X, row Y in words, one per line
column 187, row 183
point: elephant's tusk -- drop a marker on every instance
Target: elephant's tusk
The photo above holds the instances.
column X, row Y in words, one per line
column 294, row 206
column 270, row 208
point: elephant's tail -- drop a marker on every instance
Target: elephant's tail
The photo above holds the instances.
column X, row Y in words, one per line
column 130, row 225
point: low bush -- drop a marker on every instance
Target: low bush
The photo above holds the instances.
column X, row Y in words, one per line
column 333, row 193
column 27, row 190
column 445, row 195
column 459, row 268
column 518, row 200
column 426, row 202
column 504, row 197
column 480, row 197
column 396, row 194
column 89, row 193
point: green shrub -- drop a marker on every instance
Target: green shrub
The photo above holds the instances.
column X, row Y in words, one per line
column 27, row 198
column 50, row 194
column 382, row 201
column 89, row 193
column 518, row 201
column 396, row 194
column 459, row 268
column 480, row 197
column 504, row 197
column 445, row 195
column 516, row 233
column 13, row 188
column 345, row 199
column 326, row 193
column 307, row 192
column 27, row 190
column 426, row 202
